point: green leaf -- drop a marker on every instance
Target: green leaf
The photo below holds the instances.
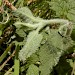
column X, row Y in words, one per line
column 54, row 39
column 48, row 59
column 33, row 59
column 26, row 15
column 32, row 70
column 32, row 44
column 24, row 12
column 52, row 50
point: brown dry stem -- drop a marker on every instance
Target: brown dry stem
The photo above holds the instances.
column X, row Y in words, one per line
column 8, row 4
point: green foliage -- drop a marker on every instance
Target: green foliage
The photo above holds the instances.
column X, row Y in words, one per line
column 64, row 8
column 42, row 44
column 33, row 70
column 31, row 45
column 51, row 51
column 24, row 11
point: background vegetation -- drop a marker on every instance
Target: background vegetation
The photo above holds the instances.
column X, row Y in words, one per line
column 37, row 37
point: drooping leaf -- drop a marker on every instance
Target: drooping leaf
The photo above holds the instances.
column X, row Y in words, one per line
column 32, row 44
column 24, row 13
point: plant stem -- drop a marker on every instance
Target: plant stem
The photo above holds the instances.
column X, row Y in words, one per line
column 5, row 52
column 16, row 61
column 8, row 72
column 2, row 66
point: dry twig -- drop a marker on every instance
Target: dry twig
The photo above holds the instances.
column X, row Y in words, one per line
column 1, row 10
column 7, row 3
